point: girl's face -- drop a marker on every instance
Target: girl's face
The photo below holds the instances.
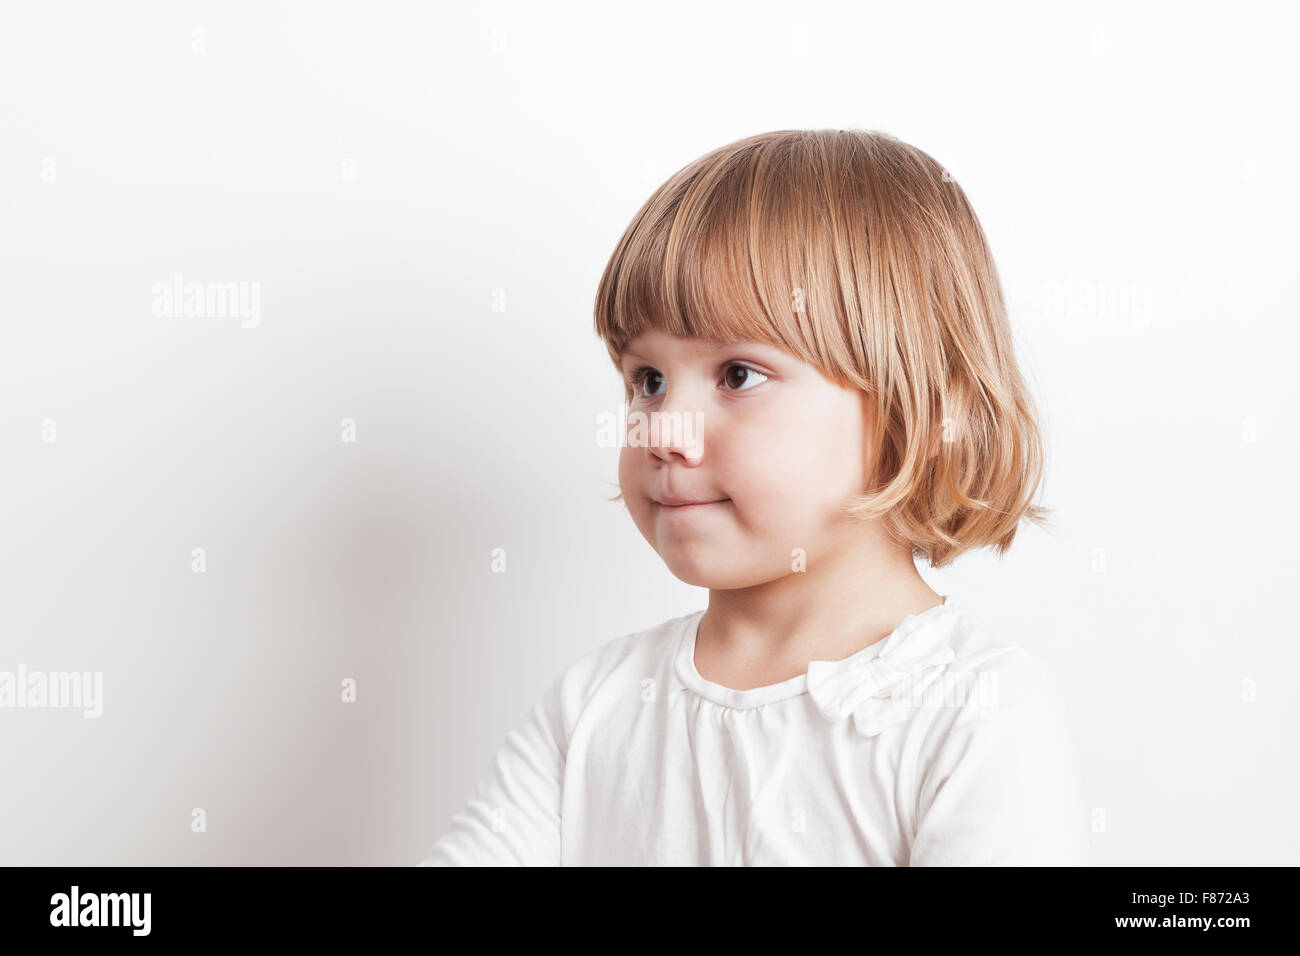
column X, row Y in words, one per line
column 778, row 451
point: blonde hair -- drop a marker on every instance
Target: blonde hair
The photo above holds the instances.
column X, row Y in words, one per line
column 860, row 255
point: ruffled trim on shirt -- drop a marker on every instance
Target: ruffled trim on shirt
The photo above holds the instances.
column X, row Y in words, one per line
column 884, row 689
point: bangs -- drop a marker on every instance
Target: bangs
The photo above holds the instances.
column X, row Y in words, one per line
column 723, row 251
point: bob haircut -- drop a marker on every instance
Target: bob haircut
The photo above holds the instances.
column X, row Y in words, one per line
column 860, row 255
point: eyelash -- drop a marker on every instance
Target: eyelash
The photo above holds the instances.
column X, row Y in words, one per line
column 637, row 379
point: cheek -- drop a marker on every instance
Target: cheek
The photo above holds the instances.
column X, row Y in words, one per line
column 797, row 476
column 627, row 474
column 784, row 498
column 629, row 482
column 765, row 477
column 625, row 469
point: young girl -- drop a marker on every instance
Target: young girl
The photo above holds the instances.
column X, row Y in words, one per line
column 824, row 307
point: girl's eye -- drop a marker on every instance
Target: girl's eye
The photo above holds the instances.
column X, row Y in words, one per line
column 644, row 374
column 640, row 376
column 750, row 373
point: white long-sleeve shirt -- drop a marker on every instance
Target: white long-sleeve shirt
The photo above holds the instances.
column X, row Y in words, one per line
column 934, row 746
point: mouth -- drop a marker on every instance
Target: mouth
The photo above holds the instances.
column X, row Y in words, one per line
column 681, row 504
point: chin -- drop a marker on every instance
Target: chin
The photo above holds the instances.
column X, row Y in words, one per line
column 706, row 571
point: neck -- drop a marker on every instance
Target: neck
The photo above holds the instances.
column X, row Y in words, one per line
column 845, row 600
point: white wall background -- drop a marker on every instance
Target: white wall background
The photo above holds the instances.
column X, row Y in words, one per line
column 379, row 170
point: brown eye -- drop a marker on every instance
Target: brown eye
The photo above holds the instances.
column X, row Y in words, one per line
column 640, row 377
column 746, row 377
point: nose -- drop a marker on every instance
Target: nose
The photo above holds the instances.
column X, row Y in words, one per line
column 676, row 432
column 677, row 439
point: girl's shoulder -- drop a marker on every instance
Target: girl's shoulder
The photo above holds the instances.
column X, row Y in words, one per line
column 988, row 674
column 978, row 647
column 629, row 653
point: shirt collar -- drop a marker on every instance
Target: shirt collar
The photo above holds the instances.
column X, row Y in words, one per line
column 918, row 647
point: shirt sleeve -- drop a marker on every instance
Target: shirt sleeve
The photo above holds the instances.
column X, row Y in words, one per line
column 1003, row 787
column 513, row 815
